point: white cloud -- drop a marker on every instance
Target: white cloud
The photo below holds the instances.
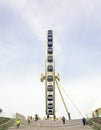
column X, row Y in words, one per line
column 52, row 14
column 69, row 20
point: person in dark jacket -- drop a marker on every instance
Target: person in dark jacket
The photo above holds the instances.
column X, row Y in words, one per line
column 63, row 119
column 84, row 121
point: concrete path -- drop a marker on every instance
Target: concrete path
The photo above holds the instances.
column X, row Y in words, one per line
column 52, row 125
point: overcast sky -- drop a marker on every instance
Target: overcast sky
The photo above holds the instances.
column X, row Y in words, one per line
column 76, row 25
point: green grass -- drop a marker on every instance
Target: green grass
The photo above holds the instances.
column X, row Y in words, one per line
column 3, row 120
column 97, row 120
column 95, row 123
column 5, row 123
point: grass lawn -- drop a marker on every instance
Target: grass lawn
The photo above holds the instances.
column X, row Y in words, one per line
column 3, row 120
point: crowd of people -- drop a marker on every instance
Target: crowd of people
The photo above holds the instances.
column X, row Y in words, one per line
column 18, row 122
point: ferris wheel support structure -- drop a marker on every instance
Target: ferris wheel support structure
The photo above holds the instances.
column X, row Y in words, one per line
column 51, row 80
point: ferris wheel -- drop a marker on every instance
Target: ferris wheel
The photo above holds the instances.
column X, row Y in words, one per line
column 49, row 76
column 52, row 81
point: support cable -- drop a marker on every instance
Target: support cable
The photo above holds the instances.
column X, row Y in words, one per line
column 63, row 99
column 72, row 102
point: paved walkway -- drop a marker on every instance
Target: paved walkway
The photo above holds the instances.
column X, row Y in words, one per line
column 52, row 125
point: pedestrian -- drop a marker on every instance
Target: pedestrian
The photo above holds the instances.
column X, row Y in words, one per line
column 36, row 117
column 84, row 121
column 18, row 122
column 63, row 120
column 28, row 120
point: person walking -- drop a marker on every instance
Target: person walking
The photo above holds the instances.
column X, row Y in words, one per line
column 28, row 120
column 18, row 122
column 63, row 120
column 84, row 121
